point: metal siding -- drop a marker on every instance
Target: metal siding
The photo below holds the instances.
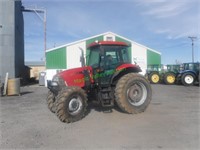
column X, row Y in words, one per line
column 11, row 39
column 99, row 38
column 153, row 58
column 56, row 59
column 109, row 35
column 73, row 55
column 19, row 41
column 139, row 56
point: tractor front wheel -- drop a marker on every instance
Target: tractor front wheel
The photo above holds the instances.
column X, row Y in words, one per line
column 71, row 104
column 133, row 93
column 187, row 79
column 51, row 101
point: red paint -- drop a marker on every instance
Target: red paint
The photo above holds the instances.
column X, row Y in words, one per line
column 110, row 43
column 125, row 66
column 75, row 76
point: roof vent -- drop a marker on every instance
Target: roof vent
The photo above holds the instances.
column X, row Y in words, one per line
column 109, row 38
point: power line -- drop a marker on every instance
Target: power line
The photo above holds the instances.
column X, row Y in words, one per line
column 37, row 12
column 192, row 39
column 174, row 46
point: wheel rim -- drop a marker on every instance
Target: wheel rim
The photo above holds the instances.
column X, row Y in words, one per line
column 189, row 79
column 170, row 79
column 155, row 78
column 137, row 94
column 75, row 105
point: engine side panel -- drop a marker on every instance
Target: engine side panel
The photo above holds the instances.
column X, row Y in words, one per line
column 76, row 77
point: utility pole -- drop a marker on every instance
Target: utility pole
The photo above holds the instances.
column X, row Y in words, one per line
column 192, row 39
column 44, row 18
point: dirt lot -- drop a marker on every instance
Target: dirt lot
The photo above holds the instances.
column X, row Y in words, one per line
column 170, row 122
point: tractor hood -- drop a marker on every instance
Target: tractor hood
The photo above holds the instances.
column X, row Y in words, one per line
column 75, row 76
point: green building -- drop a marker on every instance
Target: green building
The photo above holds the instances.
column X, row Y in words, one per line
column 68, row 56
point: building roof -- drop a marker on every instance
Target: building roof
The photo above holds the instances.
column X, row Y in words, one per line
column 107, row 43
column 34, row 63
column 65, row 45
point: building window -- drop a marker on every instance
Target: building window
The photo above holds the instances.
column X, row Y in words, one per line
column 109, row 38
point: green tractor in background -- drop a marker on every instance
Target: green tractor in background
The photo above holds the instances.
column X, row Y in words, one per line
column 153, row 73
column 169, row 76
column 159, row 73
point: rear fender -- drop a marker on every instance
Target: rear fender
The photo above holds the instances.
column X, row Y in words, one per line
column 153, row 72
column 170, row 72
column 188, row 71
column 122, row 70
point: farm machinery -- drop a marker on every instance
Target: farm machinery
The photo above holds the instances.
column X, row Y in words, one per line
column 189, row 74
column 153, row 73
column 108, row 79
column 157, row 73
column 169, row 76
column 186, row 73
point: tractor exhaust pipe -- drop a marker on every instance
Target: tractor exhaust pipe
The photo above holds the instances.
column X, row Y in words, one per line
column 82, row 59
column 85, row 71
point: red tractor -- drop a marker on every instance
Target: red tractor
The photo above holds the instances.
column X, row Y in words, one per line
column 108, row 79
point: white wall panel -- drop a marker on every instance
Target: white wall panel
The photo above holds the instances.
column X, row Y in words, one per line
column 73, row 55
column 139, row 55
column 109, row 37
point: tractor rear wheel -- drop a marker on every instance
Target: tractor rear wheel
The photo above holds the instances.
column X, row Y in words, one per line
column 133, row 93
column 187, row 79
column 51, row 101
column 71, row 104
column 154, row 77
column 169, row 78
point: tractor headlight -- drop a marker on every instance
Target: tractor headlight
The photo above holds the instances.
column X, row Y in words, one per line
column 54, row 83
column 59, row 80
column 55, row 79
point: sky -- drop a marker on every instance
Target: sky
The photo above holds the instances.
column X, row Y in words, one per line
column 163, row 25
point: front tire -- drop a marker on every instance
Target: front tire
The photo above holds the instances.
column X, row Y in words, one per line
column 71, row 104
column 51, row 101
column 187, row 79
column 133, row 93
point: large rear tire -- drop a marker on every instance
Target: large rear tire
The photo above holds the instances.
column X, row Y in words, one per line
column 51, row 101
column 169, row 78
column 71, row 104
column 133, row 93
column 188, row 79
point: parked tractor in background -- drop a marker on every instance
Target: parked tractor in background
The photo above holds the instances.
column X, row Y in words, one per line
column 153, row 73
column 108, row 79
column 169, row 76
column 162, row 74
column 189, row 74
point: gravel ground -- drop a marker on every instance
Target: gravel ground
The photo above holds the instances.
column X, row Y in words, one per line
column 170, row 122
